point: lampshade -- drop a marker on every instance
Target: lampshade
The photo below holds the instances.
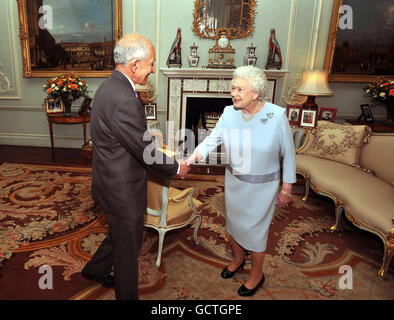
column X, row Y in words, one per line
column 146, row 87
column 314, row 83
column 145, row 92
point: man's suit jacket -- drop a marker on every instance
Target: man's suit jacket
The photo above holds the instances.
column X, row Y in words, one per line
column 119, row 182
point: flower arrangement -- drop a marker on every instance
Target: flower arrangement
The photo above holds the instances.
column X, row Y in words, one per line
column 381, row 89
column 68, row 87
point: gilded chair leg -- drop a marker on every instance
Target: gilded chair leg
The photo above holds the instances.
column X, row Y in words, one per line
column 161, row 240
column 338, row 213
column 307, row 188
column 196, row 227
column 388, row 253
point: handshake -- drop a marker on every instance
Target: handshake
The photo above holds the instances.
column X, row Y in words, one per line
column 184, row 165
column 184, row 168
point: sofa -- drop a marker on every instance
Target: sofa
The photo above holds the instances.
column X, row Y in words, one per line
column 355, row 168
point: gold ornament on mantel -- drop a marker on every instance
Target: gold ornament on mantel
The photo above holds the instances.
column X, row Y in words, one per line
column 250, row 59
column 221, row 56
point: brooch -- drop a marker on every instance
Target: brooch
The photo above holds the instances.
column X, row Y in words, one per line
column 270, row 115
column 263, row 120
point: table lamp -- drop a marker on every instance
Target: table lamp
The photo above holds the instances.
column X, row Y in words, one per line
column 314, row 83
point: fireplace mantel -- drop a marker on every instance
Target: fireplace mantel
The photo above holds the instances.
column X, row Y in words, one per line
column 196, row 82
column 213, row 73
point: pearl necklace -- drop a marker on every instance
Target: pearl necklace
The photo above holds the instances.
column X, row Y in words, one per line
column 251, row 116
column 246, row 118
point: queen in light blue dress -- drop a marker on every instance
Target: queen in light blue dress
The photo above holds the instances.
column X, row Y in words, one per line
column 256, row 136
column 253, row 172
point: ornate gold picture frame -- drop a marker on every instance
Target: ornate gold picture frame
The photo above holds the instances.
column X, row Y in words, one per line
column 58, row 38
column 236, row 16
column 353, row 52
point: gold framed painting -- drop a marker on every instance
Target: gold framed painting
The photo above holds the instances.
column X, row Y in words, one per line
column 60, row 37
column 359, row 47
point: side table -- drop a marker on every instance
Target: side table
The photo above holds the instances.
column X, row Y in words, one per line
column 87, row 151
column 376, row 126
column 74, row 118
column 87, row 147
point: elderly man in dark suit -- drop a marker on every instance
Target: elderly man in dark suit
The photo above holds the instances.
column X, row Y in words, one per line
column 119, row 182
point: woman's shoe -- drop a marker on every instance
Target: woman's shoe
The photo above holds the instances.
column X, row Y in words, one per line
column 245, row 292
column 227, row 274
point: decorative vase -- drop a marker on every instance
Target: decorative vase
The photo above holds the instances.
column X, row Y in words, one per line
column 194, row 58
column 250, row 59
column 67, row 107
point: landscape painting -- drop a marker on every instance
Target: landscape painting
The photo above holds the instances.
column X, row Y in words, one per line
column 76, row 36
column 361, row 44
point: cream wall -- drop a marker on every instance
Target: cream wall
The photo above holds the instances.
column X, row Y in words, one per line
column 301, row 28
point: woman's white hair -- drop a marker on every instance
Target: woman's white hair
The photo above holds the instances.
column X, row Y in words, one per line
column 126, row 51
column 256, row 77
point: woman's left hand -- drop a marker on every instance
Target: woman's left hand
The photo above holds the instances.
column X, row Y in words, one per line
column 284, row 197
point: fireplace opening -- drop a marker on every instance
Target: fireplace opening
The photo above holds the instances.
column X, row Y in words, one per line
column 198, row 109
column 202, row 113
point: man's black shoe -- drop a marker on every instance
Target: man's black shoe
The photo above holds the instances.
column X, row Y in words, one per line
column 104, row 282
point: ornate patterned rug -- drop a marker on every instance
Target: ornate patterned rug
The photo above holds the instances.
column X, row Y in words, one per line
column 36, row 201
column 48, row 218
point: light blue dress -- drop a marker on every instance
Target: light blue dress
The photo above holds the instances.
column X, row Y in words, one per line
column 252, row 175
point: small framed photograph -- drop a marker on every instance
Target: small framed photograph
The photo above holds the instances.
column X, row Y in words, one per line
column 85, row 106
column 327, row 114
column 52, row 107
column 293, row 113
column 366, row 113
column 151, row 111
column 308, row 118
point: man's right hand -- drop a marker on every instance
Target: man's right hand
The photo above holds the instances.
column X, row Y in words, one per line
column 184, row 168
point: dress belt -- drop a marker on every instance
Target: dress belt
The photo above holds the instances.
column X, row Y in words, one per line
column 255, row 179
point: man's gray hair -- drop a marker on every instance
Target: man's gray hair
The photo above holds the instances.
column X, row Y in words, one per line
column 126, row 51
column 256, row 77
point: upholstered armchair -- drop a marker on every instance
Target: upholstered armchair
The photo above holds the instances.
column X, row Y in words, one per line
column 170, row 208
